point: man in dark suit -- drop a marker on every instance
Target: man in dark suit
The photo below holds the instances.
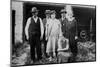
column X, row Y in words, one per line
column 34, row 33
column 45, row 20
column 69, row 30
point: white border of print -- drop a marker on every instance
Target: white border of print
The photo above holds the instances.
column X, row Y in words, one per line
column 5, row 33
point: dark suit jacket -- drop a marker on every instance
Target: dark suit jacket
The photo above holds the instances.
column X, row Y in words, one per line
column 69, row 28
column 44, row 22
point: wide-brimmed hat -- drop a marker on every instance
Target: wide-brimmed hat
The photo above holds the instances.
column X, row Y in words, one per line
column 34, row 9
column 53, row 12
column 63, row 11
column 47, row 11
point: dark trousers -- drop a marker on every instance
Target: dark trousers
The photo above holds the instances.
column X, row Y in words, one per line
column 34, row 41
column 73, row 47
column 45, row 44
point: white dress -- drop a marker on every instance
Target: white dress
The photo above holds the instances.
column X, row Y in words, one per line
column 53, row 32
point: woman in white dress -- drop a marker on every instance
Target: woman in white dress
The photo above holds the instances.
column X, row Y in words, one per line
column 53, row 32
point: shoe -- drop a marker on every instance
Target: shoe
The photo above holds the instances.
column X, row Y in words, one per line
column 50, row 58
column 31, row 62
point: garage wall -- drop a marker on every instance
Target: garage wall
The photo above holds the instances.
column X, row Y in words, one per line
column 18, row 7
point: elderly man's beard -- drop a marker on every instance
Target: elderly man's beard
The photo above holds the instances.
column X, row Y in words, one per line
column 70, row 17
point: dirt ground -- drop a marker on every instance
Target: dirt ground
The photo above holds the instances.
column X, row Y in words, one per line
column 86, row 52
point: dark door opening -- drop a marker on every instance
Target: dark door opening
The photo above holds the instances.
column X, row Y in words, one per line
column 13, row 30
column 13, row 27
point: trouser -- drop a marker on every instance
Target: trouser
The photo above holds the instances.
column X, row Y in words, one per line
column 34, row 41
column 44, row 41
column 45, row 44
column 73, row 46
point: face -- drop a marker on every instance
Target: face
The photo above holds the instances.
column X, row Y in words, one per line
column 63, row 14
column 35, row 13
column 70, row 15
column 48, row 15
column 53, row 15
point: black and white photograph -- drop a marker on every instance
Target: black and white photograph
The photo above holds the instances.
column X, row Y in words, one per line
column 45, row 33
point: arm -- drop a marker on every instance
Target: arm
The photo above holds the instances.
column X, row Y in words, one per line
column 42, row 28
column 59, row 44
column 26, row 28
column 60, row 30
column 46, row 33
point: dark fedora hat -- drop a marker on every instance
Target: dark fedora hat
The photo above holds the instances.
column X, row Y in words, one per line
column 53, row 12
column 47, row 11
column 34, row 9
column 63, row 11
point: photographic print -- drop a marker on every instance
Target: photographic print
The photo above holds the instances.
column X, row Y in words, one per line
column 52, row 33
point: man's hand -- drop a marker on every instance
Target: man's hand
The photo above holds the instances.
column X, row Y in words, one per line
column 76, row 37
column 46, row 38
column 27, row 37
column 41, row 37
